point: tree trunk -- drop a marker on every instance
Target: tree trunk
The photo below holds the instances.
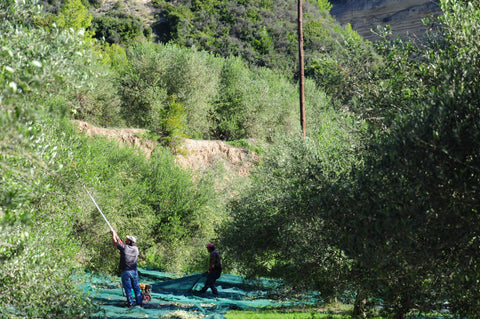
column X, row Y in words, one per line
column 359, row 308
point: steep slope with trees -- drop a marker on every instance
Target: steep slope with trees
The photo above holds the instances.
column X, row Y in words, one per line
column 401, row 225
column 264, row 33
column 380, row 199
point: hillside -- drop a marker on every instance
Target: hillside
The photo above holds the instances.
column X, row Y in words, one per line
column 403, row 16
column 143, row 9
column 193, row 154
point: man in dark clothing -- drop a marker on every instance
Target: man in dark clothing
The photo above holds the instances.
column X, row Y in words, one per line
column 128, row 268
column 214, row 270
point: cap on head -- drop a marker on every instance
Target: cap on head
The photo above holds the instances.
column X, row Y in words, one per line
column 132, row 239
column 210, row 245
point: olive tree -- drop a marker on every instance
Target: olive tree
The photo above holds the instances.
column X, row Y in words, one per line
column 410, row 218
column 278, row 227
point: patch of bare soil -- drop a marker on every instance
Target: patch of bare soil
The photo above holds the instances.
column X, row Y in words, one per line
column 141, row 8
column 128, row 136
column 201, row 155
column 197, row 155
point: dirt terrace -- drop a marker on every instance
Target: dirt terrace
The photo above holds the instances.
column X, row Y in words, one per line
column 193, row 154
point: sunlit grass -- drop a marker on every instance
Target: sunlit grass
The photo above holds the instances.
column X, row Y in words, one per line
column 328, row 311
column 262, row 314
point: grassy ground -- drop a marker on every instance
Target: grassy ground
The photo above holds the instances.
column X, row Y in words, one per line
column 331, row 311
column 314, row 314
column 328, row 311
column 281, row 315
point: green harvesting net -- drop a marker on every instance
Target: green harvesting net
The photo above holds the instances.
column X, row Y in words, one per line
column 175, row 297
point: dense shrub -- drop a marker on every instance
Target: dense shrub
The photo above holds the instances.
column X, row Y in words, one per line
column 222, row 98
column 74, row 15
column 119, row 29
column 247, row 29
column 277, row 226
column 252, row 103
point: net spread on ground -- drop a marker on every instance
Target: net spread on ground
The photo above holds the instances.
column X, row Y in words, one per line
column 172, row 296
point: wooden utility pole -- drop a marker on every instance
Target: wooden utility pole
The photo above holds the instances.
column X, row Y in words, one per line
column 302, row 68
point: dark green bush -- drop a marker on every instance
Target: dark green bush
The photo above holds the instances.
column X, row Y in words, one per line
column 252, row 103
column 277, row 226
column 119, row 29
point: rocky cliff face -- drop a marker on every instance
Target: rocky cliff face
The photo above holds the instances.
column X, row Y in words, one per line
column 404, row 16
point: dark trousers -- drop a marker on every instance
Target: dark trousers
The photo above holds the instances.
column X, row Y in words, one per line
column 129, row 281
column 212, row 277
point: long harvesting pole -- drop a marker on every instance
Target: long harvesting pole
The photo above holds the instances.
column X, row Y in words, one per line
column 98, row 208
column 111, row 228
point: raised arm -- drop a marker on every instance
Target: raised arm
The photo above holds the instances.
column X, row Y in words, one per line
column 114, row 237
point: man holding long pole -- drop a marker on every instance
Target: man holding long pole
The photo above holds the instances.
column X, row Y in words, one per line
column 128, row 268
column 128, row 260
